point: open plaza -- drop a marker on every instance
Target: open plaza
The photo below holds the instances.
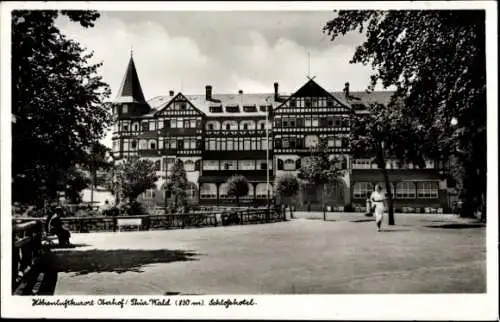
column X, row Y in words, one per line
column 421, row 254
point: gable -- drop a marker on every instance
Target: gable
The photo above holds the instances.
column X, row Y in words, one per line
column 312, row 98
column 179, row 106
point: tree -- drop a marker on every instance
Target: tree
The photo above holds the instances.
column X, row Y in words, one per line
column 320, row 169
column 57, row 103
column 287, row 187
column 176, row 187
column 237, row 187
column 436, row 60
column 135, row 176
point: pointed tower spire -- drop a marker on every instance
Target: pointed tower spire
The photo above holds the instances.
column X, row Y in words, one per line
column 130, row 90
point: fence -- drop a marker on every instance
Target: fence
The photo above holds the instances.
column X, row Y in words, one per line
column 175, row 221
column 26, row 253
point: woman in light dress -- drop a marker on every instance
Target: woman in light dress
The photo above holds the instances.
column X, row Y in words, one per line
column 377, row 199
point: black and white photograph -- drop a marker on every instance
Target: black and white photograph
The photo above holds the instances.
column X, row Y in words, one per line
column 271, row 160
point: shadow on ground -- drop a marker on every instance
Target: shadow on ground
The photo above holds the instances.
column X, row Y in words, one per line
column 57, row 246
column 321, row 219
column 117, row 260
column 361, row 220
column 458, row 226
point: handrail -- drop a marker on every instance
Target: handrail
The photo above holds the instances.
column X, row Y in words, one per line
column 26, row 252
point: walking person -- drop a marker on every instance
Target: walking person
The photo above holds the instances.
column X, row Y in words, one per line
column 377, row 199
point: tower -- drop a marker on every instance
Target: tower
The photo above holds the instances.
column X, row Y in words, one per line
column 130, row 99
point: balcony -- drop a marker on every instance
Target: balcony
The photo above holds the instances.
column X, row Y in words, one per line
column 154, row 153
column 253, row 175
column 240, row 155
column 237, row 133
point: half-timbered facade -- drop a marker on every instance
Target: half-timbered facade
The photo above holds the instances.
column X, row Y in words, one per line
column 260, row 136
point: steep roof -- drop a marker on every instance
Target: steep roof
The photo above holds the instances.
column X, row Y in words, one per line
column 130, row 89
column 257, row 100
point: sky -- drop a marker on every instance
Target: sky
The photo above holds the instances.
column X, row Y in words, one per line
column 230, row 50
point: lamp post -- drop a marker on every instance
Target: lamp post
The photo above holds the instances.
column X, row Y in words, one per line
column 267, row 151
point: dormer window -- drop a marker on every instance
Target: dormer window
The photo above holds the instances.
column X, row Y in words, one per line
column 250, row 108
column 232, row 108
column 216, row 109
column 125, row 108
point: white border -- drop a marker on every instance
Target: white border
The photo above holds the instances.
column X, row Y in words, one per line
column 368, row 307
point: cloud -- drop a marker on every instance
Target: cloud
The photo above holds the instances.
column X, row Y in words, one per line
column 228, row 50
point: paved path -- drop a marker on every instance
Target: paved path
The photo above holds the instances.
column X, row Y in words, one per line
column 421, row 254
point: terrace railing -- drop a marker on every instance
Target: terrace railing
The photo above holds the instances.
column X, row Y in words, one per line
column 158, row 221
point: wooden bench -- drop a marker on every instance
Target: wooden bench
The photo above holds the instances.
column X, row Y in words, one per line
column 129, row 222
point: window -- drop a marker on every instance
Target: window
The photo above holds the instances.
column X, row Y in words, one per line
column 173, row 123
column 329, row 102
column 215, row 109
column 361, row 164
column 362, row 190
column 186, row 144
column 233, row 108
column 210, row 126
column 152, row 125
column 208, row 191
column 180, row 123
column 289, row 165
column 210, row 164
column 160, row 124
column 133, row 144
column 307, row 122
column 228, row 127
column 149, row 194
column 308, row 102
column 229, row 144
column 223, row 190
column 186, row 124
column 191, row 191
column 158, row 165
column 152, row 145
column 143, row 145
column 192, row 123
column 293, row 102
column 125, row 127
column 228, row 165
column 262, row 126
column 125, row 108
column 145, row 126
column 405, row 190
column 246, row 164
column 427, row 190
column 429, row 164
column 189, row 166
column 245, row 126
column 277, row 143
column 246, row 144
column 315, row 122
column 262, row 189
column 311, row 141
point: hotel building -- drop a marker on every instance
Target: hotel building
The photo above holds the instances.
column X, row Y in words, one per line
column 260, row 136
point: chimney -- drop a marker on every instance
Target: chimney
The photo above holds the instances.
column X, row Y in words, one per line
column 171, row 93
column 346, row 90
column 208, row 93
column 240, row 92
column 276, row 94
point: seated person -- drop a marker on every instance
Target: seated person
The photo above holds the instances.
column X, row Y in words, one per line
column 55, row 227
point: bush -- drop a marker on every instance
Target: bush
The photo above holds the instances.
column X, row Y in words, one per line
column 349, row 208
